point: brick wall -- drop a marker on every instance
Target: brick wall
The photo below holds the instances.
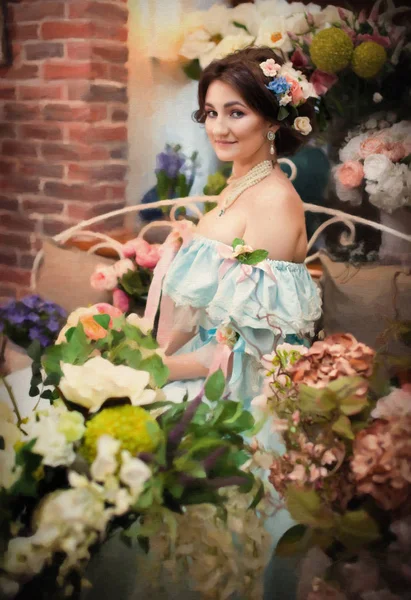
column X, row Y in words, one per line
column 63, row 125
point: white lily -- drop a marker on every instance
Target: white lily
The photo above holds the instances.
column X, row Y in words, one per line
column 273, row 33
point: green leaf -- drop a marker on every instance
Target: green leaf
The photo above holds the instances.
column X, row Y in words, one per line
column 35, row 351
column 69, row 333
column 282, row 113
column 193, row 69
column 346, row 391
column 128, row 356
column 237, row 242
column 258, row 497
column 342, row 426
column 255, row 257
column 132, row 284
column 313, row 400
column 215, row 385
column 356, row 529
column 26, row 485
column 103, row 320
column 157, row 369
column 2, row 443
column 77, row 350
column 293, row 541
column 240, row 26
column 305, row 507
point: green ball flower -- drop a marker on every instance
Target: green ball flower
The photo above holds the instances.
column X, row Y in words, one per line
column 133, row 426
column 331, row 50
column 368, row 59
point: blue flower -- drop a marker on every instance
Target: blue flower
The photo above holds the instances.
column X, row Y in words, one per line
column 279, row 86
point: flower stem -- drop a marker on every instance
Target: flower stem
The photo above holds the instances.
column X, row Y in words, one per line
column 13, row 401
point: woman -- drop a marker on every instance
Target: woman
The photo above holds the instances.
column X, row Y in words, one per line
column 221, row 311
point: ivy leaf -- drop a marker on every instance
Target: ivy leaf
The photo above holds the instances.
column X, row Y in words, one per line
column 292, row 541
column 26, row 485
column 69, row 333
column 282, row 113
column 35, row 351
column 128, row 356
column 342, row 426
column 305, row 507
column 77, row 350
column 240, row 26
column 157, row 369
column 356, row 529
column 193, row 69
column 255, row 257
column 103, row 320
column 215, row 385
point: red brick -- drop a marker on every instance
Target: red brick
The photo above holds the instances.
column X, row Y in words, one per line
column 7, row 130
column 15, row 111
column 84, row 132
column 37, row 11
column 7, row 168
column 59, row 30
column 20, row 185
column 115, row 192
column 8, row 257
column 82, row 212
column 23, row 291
column 14, row 275
column 74, row 152
column 43, row 92
column 118, row 73
column 26, row 261
column 105, row 31
column 7, row 91
column 78, row 90
column 68, row 112
column 99, row 70
column 119, row 152
column 107, row 93
column 15, row 240
column 41, row 205
column 106, row 11
column 24, row 71
column 24, row 32
column 43, row 50
column 40, row 169
column 119, row 114
column 112, row 53
column 76, row 191
column 55, row 226
column 41, row 131
column 15, row 148
column 78, row 50
column 60, row 70
column 108, row 172
column 7, row 292
column 9, row 203
column 15, row 221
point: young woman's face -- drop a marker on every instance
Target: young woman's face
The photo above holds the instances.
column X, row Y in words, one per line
column 235, row 131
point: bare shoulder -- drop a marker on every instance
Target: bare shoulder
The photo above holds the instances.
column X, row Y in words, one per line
column 275, row 196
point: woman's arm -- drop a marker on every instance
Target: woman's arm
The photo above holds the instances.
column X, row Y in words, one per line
column 185, row 366
column 178, row 339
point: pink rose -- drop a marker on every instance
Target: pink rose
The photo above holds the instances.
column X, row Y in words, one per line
column 121, row 300
column 132, row 247
column 394, row 151
column 103, row 308
column 295, row 90
column 121, row 267
column 382, row 40
column 299, row 59
column 270, row 68
column 148, row 258
column 350, row 174
column 372, row 145
column 103, row 278
column 322, row 81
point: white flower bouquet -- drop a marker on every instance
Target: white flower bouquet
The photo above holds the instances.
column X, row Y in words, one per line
column 107, row 453
column 377, row 161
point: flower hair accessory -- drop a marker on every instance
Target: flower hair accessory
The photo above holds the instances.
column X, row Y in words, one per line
column 292, row 89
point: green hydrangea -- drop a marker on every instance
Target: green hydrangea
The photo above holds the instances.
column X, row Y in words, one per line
column 368, row 59
column 133, row 426
column 331, row 50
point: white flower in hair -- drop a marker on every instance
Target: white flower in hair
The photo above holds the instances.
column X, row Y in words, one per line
column 285, row 99
column 270, row 68
column 302, row 125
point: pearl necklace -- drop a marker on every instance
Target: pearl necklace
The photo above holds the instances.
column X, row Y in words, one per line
column 254, row 176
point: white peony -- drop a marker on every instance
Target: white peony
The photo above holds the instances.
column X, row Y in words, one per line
column 352, row 195
column 105, row 463
column 91, row 384
column 230, row 44
column 134, row 473
column 273, row 33
column 11, row 434
column 351, row 151
column 297, row 23
column 196, row 44
column 377, row 167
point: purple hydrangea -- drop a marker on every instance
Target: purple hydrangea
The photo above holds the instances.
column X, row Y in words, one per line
column 171, row 161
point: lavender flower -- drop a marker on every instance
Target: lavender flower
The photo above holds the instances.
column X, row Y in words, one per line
column 171, row 161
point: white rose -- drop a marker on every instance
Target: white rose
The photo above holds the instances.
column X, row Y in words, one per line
column 141, row 323
column 51, row 443
column 121, row 267
column 105, row 463
column 377, row 167
column 196, row 44
column 91, row 384
column 351, row 150
column 377, row 98
column 303, row 125
column 297, row 23
column 134, row 473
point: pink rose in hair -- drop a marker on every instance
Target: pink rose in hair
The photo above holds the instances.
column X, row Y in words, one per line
column 350, row 174
column 322, row 81
column 121, row 300
column 132, row 247
column 148, row 258
column 122, row 266
column 104, row 278
column 270, row 68
column 296, row 91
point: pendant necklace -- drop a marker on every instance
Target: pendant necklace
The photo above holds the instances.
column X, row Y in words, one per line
column 254, row 176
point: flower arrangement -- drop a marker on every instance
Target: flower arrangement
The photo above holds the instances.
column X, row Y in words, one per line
column 31, row 318
column 129, row 278
column 345, row 471
column 377, row 161
column 108, row 452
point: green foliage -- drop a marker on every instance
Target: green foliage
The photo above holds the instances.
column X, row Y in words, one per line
column 193, row 69
column 27, row 483
column 305, row 507
column 249, row 258
column 157, row 369
column 293, row 541
column 355, row 529
column 214, row 387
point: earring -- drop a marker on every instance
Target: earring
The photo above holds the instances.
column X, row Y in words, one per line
column 271, row 138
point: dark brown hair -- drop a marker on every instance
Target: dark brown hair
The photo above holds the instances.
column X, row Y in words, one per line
column 241, row 70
